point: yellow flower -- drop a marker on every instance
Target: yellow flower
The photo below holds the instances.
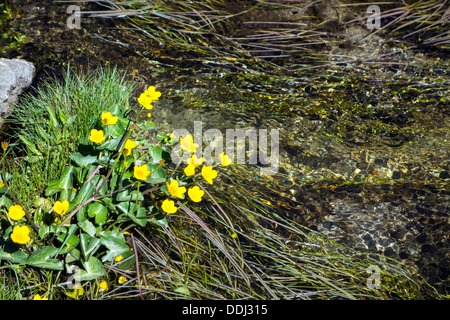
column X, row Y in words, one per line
column 108, row 119
column 224, row 159
column 169, row 206
column 118, row 258
column 2, row 184
column 97, row 136
column 20, row 234
column 188, row 144
column 196, row 194
column 16, row 212
column 38, row 297
column 78, row 290
column 145, row 101
column 61, row 207
column 189, row 170
column 209, row 174
column 129, row 145
column 174, row 190
column 141, row 172
column 149, row 115
column 152, row 93
column 122, row 279
column 194, row 160
column 103, row 285
column 5, row 145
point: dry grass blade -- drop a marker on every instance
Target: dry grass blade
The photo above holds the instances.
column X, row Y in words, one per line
column 216, row 240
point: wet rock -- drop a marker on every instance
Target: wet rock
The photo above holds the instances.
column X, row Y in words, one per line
column 15, row 76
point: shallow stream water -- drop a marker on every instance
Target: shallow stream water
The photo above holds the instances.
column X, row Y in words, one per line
column 364, row 148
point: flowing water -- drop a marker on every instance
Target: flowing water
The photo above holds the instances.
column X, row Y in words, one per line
column 364, row 148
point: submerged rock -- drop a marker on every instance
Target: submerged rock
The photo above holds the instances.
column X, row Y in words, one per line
column 15, row 76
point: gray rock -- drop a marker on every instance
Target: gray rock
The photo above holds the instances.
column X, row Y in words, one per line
column 15, row 76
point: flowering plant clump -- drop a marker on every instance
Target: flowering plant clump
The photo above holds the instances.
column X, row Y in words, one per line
column 81, row 218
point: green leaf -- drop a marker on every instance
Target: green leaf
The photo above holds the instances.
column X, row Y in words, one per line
column 158, row 176
column 63, row 185
column 93, row 270
column 5, row 202
column 147, row 125
column 42, row 258
column 18, row 256
column 99, row 211
column 157, row 154
column 83, row 160
column 87, row 227
column 115, row 243
column 125, row 195
column 71, row 243
column 183, row 290
column 88, row 245
column 110, row 144
column 118, row 129
column 83, row 194
column 136, row 215
column 162, row 222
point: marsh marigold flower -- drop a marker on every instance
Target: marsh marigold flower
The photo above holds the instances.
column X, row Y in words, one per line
column 20, row 234
column 196, row 194
column 5, row 145
column 16, row 212
column 96, row 136
column 152, row 93
column 129, row 145
column 141, row 172
column 224, row 159
column 122, row 280
column 145, row 101
column 169, row 206
column 38, row 297
column 209, row 174
column 103, row 285
column 194, row 160
column 108, row 119
column 189, row 170
column 175, row 190
column 188, row 144
column 61, row 207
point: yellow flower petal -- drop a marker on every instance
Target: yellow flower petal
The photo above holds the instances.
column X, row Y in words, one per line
column 152, row 93
column 96, row 136
column 145, row 101
column 141, row 172
column 38, row 297
column 122, row 279
column 103, row 285
column 187, row 143
column 61, row 207
column 224, row 159
column 175, row 190
column 189, row 170
column 209, row 174
column 108, row 119
column 16, row 212
column 196, row 194
column 20, row 234
column 169, row 206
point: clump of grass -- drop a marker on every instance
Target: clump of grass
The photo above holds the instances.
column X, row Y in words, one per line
column 48, row 126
